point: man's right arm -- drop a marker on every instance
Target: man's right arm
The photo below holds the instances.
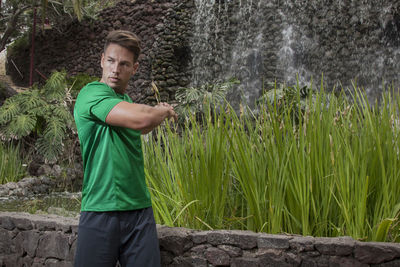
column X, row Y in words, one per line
column 139, row 117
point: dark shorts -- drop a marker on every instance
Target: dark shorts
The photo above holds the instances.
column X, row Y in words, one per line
column 127, row 237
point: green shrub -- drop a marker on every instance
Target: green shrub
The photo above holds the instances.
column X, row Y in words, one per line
column 18, row 45
column 40, row 117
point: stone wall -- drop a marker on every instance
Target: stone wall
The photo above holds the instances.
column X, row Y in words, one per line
column 33, row 240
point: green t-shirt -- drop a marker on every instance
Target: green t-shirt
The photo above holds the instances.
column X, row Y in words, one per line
column 112, row 156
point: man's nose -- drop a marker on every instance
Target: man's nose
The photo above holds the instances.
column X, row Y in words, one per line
column 115, row 67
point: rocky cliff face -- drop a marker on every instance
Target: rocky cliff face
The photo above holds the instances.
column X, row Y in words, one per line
column 193, row 42
column 161, row 25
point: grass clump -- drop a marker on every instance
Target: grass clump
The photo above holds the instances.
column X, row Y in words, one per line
column 327, row 167
column 12, row 166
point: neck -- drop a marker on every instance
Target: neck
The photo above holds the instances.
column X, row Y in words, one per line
column 117, row 90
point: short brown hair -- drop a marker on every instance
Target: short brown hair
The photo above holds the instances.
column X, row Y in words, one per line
column 126, row 39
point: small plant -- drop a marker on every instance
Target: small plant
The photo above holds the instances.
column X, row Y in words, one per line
column 195, row 101
column 290, row 100
column 12, row 167
column 41, row 118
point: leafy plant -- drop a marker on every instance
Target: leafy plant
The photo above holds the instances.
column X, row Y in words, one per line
column 195, row 101
column 291, row 100
column 42, row 116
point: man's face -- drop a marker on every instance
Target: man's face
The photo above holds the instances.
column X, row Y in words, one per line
column 118, row 67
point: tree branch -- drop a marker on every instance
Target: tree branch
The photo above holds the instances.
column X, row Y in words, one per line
column 11, row 26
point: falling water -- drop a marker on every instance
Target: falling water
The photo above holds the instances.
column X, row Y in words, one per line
column 218, row 25
column 259, row 42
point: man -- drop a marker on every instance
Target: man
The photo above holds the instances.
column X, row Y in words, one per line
column 117, row 222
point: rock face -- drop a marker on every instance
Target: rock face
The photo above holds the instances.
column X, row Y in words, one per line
column 193, row 42
column 36, row 240
column 157, row 23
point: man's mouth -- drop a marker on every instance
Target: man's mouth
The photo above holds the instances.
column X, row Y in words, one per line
column 114, row 79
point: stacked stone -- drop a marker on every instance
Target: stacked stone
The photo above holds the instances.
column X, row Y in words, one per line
column 183, row 247
column 31, row 240
column 38, row 240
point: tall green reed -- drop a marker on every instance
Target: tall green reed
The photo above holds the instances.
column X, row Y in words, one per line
column 12, row 166
column 330, row 170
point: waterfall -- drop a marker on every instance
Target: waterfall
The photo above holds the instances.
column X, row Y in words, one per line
column 228, row 43
column 260, row 42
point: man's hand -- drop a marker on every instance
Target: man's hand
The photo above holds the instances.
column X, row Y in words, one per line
column 171, row 111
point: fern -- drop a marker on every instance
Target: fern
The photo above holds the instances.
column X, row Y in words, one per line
column 50, row 143
column 62, row 113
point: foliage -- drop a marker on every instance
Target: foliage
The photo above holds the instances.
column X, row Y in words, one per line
column 12, row 167
column 21, row 43
column 43, row 115
column 77, row 82
column 287, row 99
column 194, row 101
column 333, row 172
column 16, row 16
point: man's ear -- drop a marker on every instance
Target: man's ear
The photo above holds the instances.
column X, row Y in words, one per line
column 135, row 67
column 102, row 60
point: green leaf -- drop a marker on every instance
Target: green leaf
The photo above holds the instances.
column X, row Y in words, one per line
column 56, row 86
column 54, row 131
column 49, row 149
column 383, row 230
column 22, row 125
column 31, row 100
column 9, row 110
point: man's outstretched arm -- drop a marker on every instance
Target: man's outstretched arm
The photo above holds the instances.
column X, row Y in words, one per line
column 139, row 117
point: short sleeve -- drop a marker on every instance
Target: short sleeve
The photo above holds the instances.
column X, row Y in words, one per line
column 96, row 100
